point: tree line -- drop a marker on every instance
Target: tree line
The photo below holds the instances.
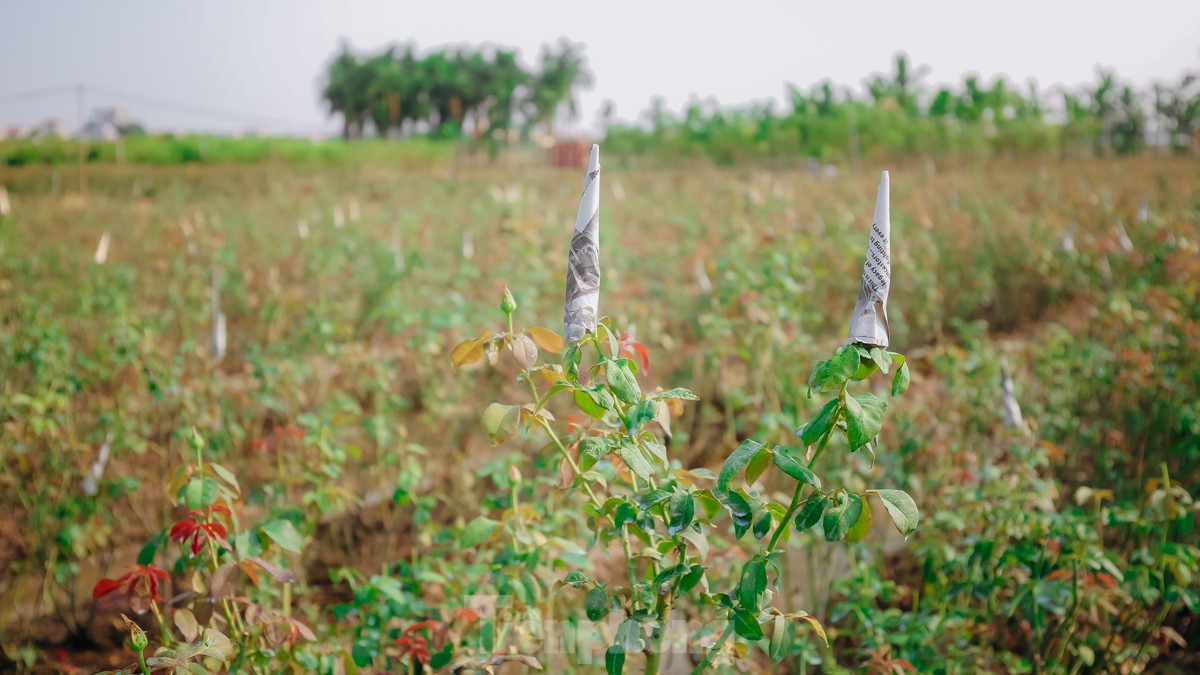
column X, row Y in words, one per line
column 486, row 93
column 895, row 114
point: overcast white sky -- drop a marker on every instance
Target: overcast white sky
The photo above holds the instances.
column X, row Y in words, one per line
column 263, row 59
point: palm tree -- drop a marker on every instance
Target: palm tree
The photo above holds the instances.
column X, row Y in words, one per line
column 1179, row 111
column 554, row 85
column 346, row 91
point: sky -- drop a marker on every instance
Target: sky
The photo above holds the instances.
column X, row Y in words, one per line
column 230, row 65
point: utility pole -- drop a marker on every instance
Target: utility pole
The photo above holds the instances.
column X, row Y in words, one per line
column 79, row 141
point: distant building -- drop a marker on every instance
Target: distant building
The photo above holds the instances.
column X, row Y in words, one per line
column 109, row 124
column 11, row 132
column 50, row 128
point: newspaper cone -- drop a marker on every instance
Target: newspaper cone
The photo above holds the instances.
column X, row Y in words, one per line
column 583, row 261
column 5, row 205
column 1012, row 409
column 869, row 324
column 102, row 249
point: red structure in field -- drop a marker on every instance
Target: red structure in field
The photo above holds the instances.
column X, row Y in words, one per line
column 569, row 154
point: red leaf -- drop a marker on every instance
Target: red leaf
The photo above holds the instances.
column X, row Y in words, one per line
column 106, row 586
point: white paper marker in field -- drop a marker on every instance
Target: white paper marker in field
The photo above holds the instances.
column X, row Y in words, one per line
column 1068, row 239
column 397, row 250
column 5, row 205
column 1123, row 238
column 302, row 228
column 468, row 245
column 702, row 280
column 102, row 249
column 91, row 482
column 219, row 338
column 339, row 217
column 618, row 192
column 353, row 210
column 582, row 306
column 1012, row 409
column 869, row 323
column 1143, row 213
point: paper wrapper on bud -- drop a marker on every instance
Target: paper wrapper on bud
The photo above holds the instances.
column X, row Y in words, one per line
column 869, row 324
column 583, row 262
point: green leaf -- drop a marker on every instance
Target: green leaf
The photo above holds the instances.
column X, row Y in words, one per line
column 639, row 414
column 691, row 579
column 577, row 579
column 881, row 359
column 901, row 507
column 708, row 503
column 792, row 467
column 862, row 526
column 146, row 555
column 591, row 450
column 622, row 381
column 865, row 370
column 745, row 624
column 629, row 636
column 864, row 418
column 597, row 604
column 758, row 465
column 614, row 660
column 227, row 476
column 900, row 381
column 682, row 510
column 653, row 498
column 781, row 639
column 635, row 460
column 677, row 392
column 811, row 510
column 500, row 422
column 200, row 492
column 738, row 507
column 590, row 400
column 831, row 374
column 762, row 524
column 839, row 519
column 820, row 424
column 736, row 461
column 670, row 574
column 752, row 584
column 477, row 531
column 283, row 533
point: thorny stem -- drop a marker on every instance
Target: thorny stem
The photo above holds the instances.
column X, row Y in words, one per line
column 712, row 651
column 234, row 624
column 784, row 524
column 162, row 624
column 663, row 612
column 630, row 565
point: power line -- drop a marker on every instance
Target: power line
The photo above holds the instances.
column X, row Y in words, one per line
column 33, row 94
column 193, row 108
